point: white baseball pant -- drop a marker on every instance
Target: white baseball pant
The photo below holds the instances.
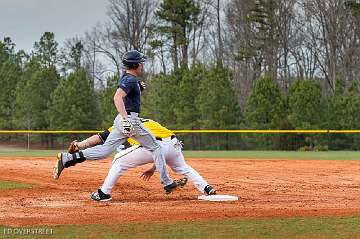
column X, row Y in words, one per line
column 140, row 156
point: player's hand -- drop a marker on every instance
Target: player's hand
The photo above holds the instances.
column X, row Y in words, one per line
column 146, row 175
column 127, row 127
column 142, row 85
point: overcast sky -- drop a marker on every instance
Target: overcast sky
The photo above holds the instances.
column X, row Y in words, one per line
column 26, row 20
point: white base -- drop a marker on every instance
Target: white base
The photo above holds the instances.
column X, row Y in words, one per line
column 218, row 198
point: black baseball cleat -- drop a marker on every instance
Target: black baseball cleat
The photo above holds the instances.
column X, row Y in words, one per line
column 59, row 166
column 177, row 183
column 209, row 190
column 100, row 196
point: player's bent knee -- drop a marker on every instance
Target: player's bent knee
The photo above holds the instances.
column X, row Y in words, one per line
column 181, row 170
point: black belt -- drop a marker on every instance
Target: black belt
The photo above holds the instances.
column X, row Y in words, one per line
column 161, row 139
column 129, row 112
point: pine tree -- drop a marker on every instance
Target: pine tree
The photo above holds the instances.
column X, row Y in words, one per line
column 39, row 80
column 265, row 107
column 344, row 114
column 305, row 105
column 216, row 100
column 306, row 111
column 159, row 99
column 218, row 108
column 32, row 95
column 46, row 50
column 177, row 18
column 264, row 42
column 10, row 73
column 186, row 110
column 74, row 104
column 108, row 110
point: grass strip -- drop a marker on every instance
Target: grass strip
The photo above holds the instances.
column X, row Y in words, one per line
column 5, row 185
column 302, row 227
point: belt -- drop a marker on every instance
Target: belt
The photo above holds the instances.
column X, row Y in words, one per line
column 166, row 139
column 132, row 113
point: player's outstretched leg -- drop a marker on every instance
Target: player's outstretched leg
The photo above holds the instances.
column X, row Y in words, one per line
column 61, row 164
column 178, row 164
column 65, row 160
column 196, row 179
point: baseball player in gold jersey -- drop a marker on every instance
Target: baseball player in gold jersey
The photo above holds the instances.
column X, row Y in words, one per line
column 133, row 155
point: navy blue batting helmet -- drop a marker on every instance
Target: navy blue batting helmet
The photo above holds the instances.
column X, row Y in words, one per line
column 133, row 58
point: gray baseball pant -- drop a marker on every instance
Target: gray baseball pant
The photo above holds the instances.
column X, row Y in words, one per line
column 117, row 138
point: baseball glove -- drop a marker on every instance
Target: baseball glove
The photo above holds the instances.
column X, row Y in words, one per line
column 73, row 147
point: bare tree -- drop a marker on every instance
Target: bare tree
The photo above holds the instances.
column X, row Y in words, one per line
column 262, row 39
column 128, row 28
column 213, row 31
column 326, row 19
column 102, row 54
column 288, row 31
column 201, row 30
column 130, row 21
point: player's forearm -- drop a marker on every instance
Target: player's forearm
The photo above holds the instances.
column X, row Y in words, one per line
column 119, row 104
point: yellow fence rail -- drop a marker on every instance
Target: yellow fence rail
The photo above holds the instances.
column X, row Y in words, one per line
column 188, row 131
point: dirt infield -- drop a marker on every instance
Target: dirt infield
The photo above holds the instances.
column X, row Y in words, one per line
column 266, row 188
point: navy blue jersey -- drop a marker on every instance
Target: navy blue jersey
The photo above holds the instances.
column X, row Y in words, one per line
column 130, row 84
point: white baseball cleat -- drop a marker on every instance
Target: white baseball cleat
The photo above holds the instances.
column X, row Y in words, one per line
column 59, row 166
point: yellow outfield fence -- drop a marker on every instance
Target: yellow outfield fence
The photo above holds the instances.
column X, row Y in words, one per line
column 209, row 139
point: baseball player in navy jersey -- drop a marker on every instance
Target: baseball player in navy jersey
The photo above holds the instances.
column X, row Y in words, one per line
column 126, row 124
column 133, row 155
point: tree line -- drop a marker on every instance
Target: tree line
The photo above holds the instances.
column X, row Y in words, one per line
column 235, row 64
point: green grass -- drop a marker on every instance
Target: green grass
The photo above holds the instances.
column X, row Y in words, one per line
column 304, row 227
column 25, row 153
column 327, row 155
column 4, row 185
